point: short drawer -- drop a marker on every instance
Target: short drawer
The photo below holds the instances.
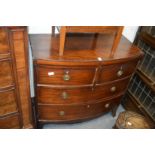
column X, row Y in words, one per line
column 10, row 122
column 117, row 71
column 6, row 78
column 7, row 102
column 4, row 44
column 75, row 112
column 65, row 76
column 80, row 95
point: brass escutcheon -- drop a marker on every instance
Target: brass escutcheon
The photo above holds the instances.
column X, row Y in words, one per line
column 64, row 95
column 61, row 113
column 113, row 89
column 119, row 73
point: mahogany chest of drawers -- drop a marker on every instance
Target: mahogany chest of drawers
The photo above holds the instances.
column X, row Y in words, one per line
column 15, row 110
column 83, row 83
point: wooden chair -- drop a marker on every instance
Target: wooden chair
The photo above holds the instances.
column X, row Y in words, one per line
column 88, row 29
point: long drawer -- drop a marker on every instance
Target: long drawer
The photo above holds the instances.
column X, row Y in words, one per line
column 6, row 78
column 8, row 103
column 10, row 122
column 62, row 95
column 59, row 112
column 117, row 71
column 65, row 75
column 4, row 44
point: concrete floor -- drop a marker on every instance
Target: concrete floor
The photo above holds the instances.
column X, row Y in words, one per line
column 103, row 122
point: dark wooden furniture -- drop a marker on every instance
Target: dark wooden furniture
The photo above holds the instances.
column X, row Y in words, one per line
column 141, row 92
column 117, row 30
column 83, row 83
column 15, row 108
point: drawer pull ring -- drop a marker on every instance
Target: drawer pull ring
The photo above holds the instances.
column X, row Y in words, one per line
column 66, row 77
column 61, row 113
column 119, row 73
column 107, row 105
column 113, row 89
column 64, row 95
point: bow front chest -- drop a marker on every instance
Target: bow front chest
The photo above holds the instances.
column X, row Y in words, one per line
column 86, row 81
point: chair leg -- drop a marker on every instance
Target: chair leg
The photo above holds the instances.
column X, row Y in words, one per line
column 53, row 30
column 62, row 40
column 116, row 40
column 113, row 111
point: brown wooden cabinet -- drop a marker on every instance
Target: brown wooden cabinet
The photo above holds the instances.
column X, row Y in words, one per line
column 84, row 82
column 15, row 103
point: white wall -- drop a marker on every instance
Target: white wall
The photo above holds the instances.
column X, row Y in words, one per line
column 129, row 31
column 40, row 29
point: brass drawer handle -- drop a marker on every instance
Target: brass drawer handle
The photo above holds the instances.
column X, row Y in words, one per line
column 113, row 89
column 119, row 73
column 66, row 76
column 107, row 105
column 61, row 113
column 64, row 95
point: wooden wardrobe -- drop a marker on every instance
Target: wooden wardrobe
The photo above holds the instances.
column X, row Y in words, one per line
column 15, row 101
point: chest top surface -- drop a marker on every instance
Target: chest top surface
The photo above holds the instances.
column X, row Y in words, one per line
column 82, row 47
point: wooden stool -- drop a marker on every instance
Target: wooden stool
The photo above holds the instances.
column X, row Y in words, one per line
column 89, row 29
column 131, row 120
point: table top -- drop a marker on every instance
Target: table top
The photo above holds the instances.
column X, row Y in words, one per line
column 81, row 47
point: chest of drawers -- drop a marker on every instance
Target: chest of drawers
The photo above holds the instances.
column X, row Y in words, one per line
column 83, row 83
column 15, row 108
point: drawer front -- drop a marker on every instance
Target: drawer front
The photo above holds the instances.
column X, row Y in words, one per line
column 65, row 76
column 75, row 112
column 4, row 45
column 5, row 56
column 118, row 71
column 10, row 122
column 7, row 102
column 6, row 78
column 80, row 95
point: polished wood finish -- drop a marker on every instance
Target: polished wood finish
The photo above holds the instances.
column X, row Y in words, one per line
column 6, row 77
column 121, row 70
column 8, row 102
column 80, row 84
column 72, row 112
column 4, row 42
column 14, row 78
column 46, row 50
column 66, row 75
column 10, row 122
column 80, row 95
column 89, row 29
